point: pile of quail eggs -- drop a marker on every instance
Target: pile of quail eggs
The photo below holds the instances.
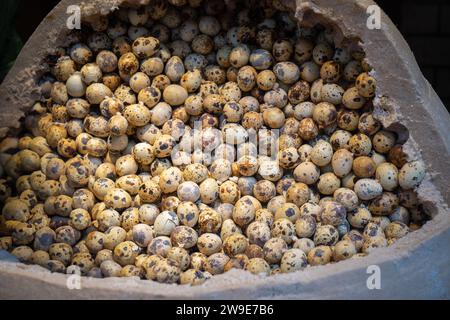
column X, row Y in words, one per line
column 182, row 139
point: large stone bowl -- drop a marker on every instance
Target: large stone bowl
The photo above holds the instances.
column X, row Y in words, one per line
column 417, row 266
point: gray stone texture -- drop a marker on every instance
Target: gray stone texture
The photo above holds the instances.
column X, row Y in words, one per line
column 416, row 266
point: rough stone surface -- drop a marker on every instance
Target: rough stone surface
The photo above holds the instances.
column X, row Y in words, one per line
column 416, row 266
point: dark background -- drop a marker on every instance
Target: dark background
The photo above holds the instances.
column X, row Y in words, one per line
column 425, row 25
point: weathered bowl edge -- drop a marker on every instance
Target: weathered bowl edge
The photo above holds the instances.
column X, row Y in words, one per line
column 414, row 267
